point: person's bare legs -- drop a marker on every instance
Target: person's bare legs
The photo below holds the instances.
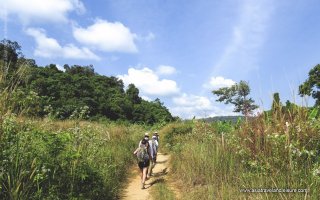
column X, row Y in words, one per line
column 150, row 168
column 141, row 170
column 147, row 173
column 143, row 176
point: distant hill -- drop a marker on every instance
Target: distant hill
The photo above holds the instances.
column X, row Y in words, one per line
column 233, row 119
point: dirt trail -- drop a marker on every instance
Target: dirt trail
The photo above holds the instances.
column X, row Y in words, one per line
column 133, row 190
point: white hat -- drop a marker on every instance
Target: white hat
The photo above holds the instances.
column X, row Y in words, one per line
column 146, row 134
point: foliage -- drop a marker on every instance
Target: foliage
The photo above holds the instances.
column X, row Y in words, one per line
column 63, row 160
column 216, row 160
column 312, row 85
column 172, row 130
column 276, row 104
column 76, row 89
column 237, row 95
column 10, row 53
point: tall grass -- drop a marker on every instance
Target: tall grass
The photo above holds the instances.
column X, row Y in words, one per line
column 64, row 160
column 216, row 161
column 9, row 83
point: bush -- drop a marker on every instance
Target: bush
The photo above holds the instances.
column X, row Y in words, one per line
column 172, row 130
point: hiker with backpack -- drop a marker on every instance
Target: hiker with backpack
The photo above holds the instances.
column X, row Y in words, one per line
column 153, row 150
column 143, row 157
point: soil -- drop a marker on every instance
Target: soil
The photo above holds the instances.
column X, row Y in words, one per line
column 159, row 172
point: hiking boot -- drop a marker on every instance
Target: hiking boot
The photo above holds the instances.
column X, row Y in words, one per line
column 142, row 186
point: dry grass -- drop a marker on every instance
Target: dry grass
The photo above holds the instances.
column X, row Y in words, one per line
column 275, row 151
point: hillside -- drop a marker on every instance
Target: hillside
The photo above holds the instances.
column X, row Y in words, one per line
column 232, row 119
column 76, row 92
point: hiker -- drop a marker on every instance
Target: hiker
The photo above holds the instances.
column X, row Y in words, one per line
column 156, row 145
column 157, row 135
column 143, row 157
column 146, row 137
column 151, row 151
column 153, row 147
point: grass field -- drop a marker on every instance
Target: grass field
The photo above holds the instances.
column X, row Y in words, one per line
column 220, row 160
column 43, row 159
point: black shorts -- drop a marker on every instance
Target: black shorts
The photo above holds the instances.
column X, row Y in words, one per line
column 143, row 164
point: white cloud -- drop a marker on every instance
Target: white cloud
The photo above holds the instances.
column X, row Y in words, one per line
column 188, row 105
column 107, row 36
column 241, row 55
column 149, row 83
column 146, row 38
column 166, row 70
column 218, row 82
column 41, row 10
column 198, row 102
column 61, row 68
column 146, row 98
column 49, row 47
column 149, row 37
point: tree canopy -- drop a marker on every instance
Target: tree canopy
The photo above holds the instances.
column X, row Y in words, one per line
column 78, row 89
column 237, row 95
column 312, row 85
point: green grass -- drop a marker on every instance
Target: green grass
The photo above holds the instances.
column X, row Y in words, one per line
column 161, row 191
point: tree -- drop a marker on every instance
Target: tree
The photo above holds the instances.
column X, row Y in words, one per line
column 10, row 51
column 76, row 92
column 9, row 55
column 237, row 95
column 276, row 108
column 312, row 85
column 133, row 94
column 276, row 103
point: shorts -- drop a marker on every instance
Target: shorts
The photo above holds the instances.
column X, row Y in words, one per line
column 143, row 164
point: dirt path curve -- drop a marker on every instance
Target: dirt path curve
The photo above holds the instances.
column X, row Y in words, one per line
column 133, row 190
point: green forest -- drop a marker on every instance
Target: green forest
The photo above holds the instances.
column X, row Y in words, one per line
column 77, row 92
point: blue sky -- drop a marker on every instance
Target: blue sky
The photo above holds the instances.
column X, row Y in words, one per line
column 178, row 51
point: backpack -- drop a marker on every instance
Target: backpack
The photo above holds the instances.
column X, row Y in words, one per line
column 142, row 154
